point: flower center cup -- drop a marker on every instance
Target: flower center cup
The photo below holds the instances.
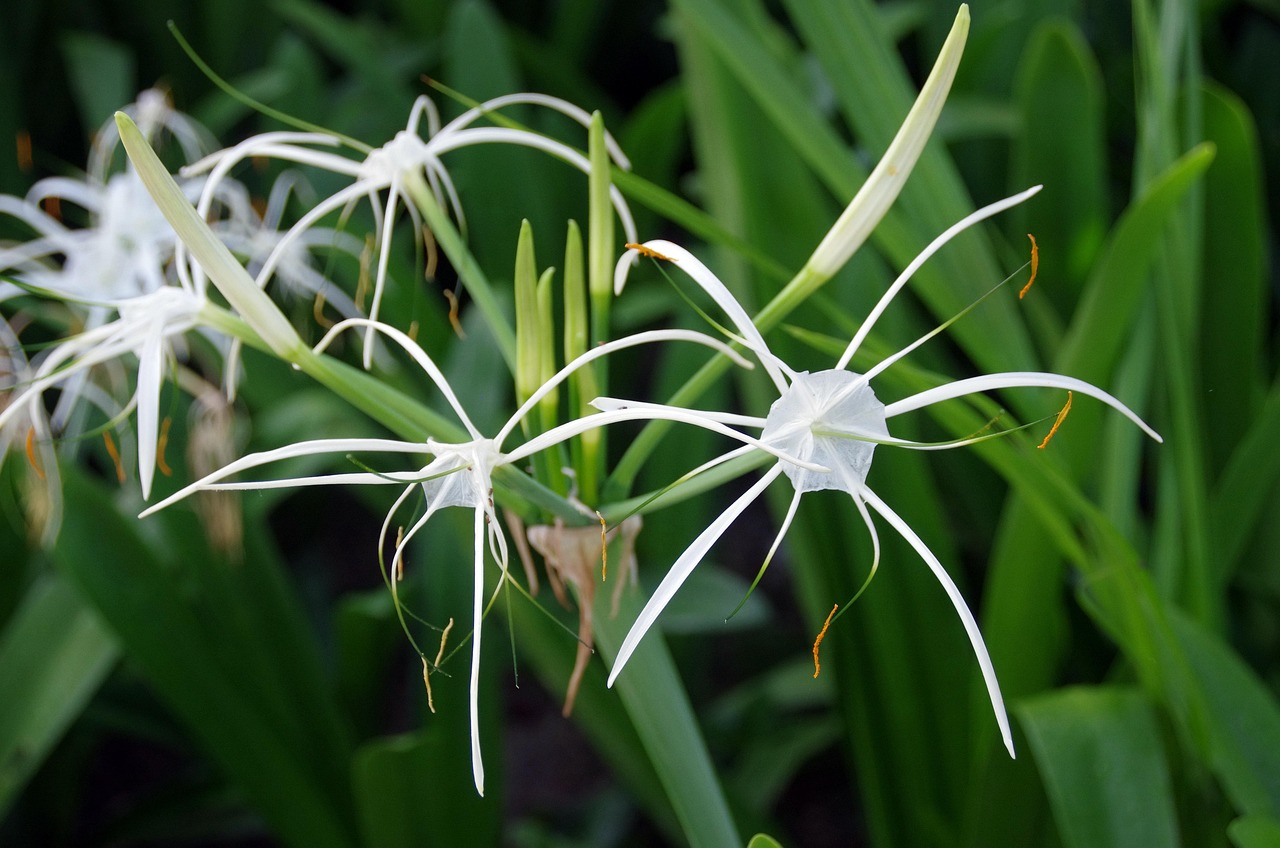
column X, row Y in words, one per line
column 464, row 473
column 404, row 153
column 827, row 418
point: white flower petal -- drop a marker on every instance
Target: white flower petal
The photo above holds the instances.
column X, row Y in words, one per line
column 908, row 272
column 1012, row 380
column 477, row 762
column 647, row 337
column 565, row 431
column 683, row 567
column 317, row 446
column 150, row 372
column 608, row 404
column 711, row 284
column 419, row 356
column 962, row 609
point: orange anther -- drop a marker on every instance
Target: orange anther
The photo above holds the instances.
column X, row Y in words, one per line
column 817, row 666
column 647, row 251
column 453, row 313
column 433, row 254
column 114, row 454
column 604, row 548
column 1057, row 422
column 317, row 311
column 399, row 556
column 23, row 142
column 31, row 452
column 426, row 679
column 161, row 443
column 1035, row 266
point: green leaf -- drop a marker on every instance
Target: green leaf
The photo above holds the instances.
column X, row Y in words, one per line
column 761, row 840
column 102, row 75
column 1243, row 720
column 1061, row 140
column 1246, row 484
column 409, row 794
column 1104, row 319
column 218, row 659
column 659, row 708
column 1255, row 831
column 1099, row 752
column 1233, row 304
column 53, row 656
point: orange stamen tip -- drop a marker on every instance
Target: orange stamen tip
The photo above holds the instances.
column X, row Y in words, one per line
column 1057, row 422
column 647, row 251
column 1035, row 266
column 453, row 314
column 604, row 548
column 114, row 454
column 31, row 453
column 433, row 253
column 399, row 558
column 161, row 443
column 23, row 143
column 817, row 666
column 444, row 637
column 317, row 311
column 426, row 680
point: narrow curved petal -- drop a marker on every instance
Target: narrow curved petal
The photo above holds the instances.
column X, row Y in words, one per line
column 354, row 478
column 150, row 373
column 730, row 419
column 683, row 567
column 477, row 618
column 380, row 278
column 564, row 431
column 646, row 337
column 711, row 284
column 309, row 448
column 523, row 138
column 419, row 356
column 564, row 107
column 1014, row 380
column 907, row 273
column 962, row 609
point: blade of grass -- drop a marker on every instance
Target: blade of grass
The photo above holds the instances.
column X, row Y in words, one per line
column 193, row 664
column 1099, row 751
column 54, row 654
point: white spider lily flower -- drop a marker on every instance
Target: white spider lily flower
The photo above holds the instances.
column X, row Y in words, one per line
column 118, row 277
column 126, row 248
column 153, row 113
column 395, row 167
column 149, row 328
column 461, row 473
column 834, row 420
column 125, row 251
